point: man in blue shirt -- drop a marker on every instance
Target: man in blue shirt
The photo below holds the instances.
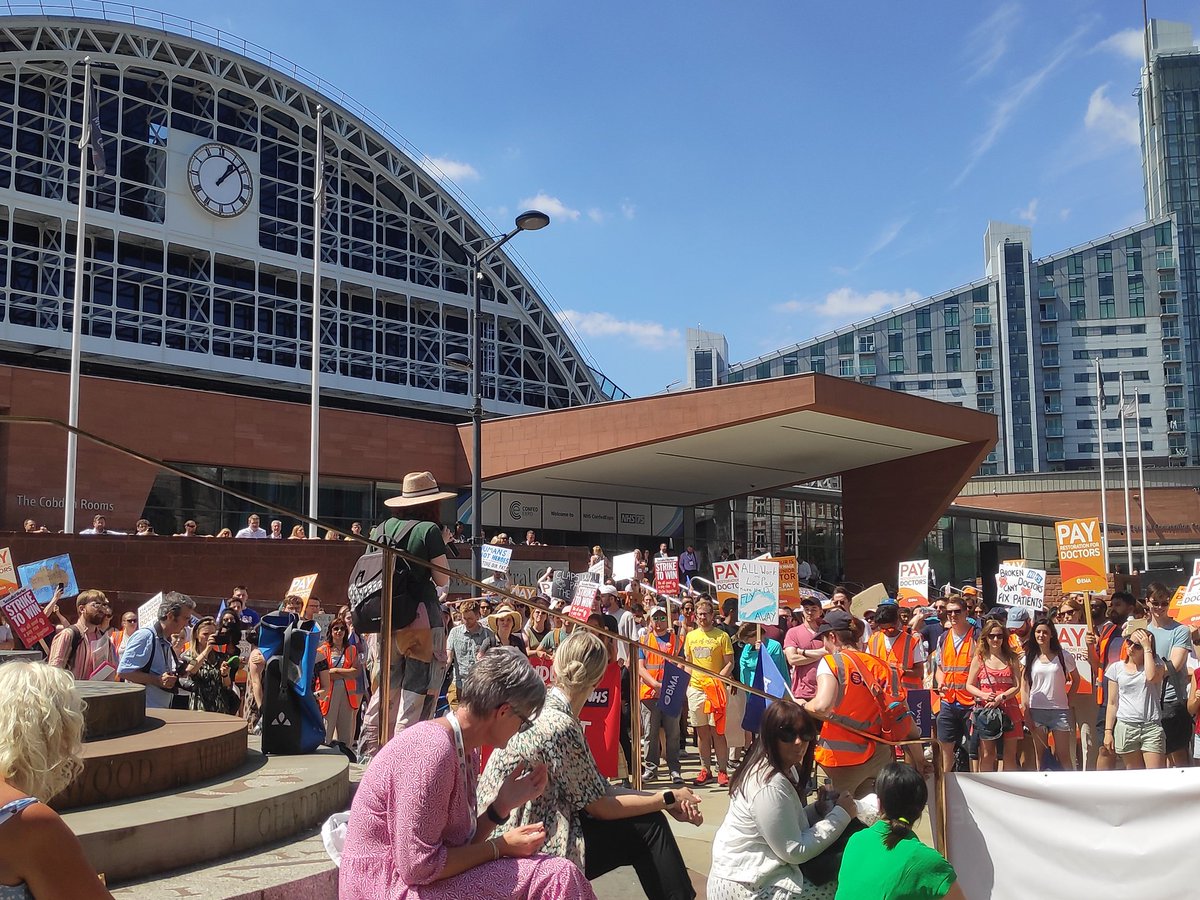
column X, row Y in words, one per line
column 147, row 656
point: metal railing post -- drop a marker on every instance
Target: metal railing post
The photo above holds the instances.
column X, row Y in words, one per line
column 635, row 721
column 387, row 644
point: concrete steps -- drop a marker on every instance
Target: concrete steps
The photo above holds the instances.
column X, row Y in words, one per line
column 264, row 800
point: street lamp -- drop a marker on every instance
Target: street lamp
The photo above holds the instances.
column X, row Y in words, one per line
column 530, row 220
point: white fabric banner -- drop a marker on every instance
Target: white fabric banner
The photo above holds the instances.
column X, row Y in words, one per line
column 1074, row 834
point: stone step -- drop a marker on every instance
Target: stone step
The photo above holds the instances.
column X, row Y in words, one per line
column 111, row 708
column 172, row 750
column 266, row 800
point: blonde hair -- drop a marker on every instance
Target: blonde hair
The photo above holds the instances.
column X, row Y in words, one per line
column 41, row 719
column 579, row 662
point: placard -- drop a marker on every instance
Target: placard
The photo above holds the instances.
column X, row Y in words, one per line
column 524, row 591
column 597, row 568
column 43, row 576
column 789, row 578
column 1017, row 586
column 1186, row 610
column 623, row 566
column 912, row 583
column 302, row 586
column 666, row 575
column 601, row 720
column 1073, row 639
column 562, row 587
column 870, row 598
column 725, row 577
column 583, row 602
column 148, row 611
column 8, row 575
column 920, row 702
column 495, row 557
column 1080, row 555
column 758, row 592
column 25, row 617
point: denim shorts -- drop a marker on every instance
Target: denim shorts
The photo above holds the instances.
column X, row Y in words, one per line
column 1051, row 719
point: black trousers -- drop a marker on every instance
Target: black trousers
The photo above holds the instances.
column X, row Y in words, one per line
column 644, row 842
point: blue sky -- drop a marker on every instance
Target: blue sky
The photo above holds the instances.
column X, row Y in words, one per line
column 772, row 169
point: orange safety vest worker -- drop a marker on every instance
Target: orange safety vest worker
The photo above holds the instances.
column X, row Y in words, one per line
column 856, row 707
column 349, row 661
column 899, row 656
column 655, row 662
column 955, row 666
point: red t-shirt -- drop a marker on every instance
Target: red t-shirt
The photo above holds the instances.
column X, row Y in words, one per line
column 804, row 677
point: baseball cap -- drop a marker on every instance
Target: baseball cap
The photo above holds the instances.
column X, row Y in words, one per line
column 1018, row 616
column 835, row 620
column 607, row 589
column 656, row 609
column 889, row 601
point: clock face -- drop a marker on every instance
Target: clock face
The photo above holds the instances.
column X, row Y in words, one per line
column 220, row 180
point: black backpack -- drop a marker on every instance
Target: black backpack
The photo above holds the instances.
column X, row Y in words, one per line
column 365, row 589
column 291, row 721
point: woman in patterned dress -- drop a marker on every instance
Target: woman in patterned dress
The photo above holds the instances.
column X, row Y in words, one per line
column 415, row 831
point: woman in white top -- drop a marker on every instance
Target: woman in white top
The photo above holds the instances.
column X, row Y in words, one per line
column 1050, row 675
column 1132, row 726
column 768, row 831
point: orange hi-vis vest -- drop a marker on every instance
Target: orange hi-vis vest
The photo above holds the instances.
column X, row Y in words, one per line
column 1108, row 634
column 856, row 708
column 349, row 661
column 899, row 657
column 955, row 667
column 655, row 662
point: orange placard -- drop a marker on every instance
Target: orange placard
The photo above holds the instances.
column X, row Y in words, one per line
column 789, row 579
column 1081, row 555
column 1185, row 605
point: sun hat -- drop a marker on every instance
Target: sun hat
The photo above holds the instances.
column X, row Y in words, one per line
column 418, row 488
column 493, row 621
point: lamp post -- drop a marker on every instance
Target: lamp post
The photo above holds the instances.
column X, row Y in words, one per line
column 530, row 220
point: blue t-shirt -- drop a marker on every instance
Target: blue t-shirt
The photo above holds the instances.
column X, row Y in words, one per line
column 146, row 644
column 748, row 661
column 1175, row 635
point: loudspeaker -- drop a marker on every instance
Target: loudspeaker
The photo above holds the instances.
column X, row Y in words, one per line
column 991, row 554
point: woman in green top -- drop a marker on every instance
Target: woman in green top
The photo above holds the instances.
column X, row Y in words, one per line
column 887, row 861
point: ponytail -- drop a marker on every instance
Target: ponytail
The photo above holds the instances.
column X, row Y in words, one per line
column 898, row 829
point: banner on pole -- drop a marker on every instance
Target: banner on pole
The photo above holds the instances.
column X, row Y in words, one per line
column 920, row 702
column 673, row 697
column 302, row 586
column 758, row 592
column 623, row 566
column 1185, row 607
column 1017, row 586
column 494, row 557
column 8, row 575
column 25, row 617
column 1073, row 639
column 1081, row 555
column 912, row 583
column 666, row 575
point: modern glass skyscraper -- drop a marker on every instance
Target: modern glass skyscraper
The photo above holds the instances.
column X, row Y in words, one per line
column 1022, row 341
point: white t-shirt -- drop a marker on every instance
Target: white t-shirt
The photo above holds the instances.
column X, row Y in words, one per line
column 1048, row 682
column 249, row 532
column 1137, row 701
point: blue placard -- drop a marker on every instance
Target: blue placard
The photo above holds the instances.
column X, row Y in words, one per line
column 921, row 704
column 673, row 696
column 43, row 576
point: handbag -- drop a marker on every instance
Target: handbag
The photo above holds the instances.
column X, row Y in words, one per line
column 824, row 867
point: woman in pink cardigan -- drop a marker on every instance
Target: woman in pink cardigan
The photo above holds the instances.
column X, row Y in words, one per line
column 415, row 832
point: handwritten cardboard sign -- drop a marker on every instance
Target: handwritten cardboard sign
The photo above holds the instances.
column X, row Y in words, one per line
column 758, row 592
column 25, row 615
column 494, row 557
column 43, row 576
column 1080, row 555
column 1018, row 586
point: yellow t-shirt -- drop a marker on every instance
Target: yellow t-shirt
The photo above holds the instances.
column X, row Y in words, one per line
column 709, row 650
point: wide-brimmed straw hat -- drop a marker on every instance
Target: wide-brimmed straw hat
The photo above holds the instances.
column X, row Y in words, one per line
column 493, row 621
column 418, row 488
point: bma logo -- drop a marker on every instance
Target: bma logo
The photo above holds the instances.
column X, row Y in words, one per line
column 633, row 519
column 514, row 509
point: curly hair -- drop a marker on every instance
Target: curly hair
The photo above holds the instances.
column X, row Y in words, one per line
column 42, row 723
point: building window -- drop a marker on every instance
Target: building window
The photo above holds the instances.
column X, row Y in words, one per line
column 1075, row 264
column 896, row 365
column 866, row 366
column 1162, row 235
column 846, row 367
column 923, row 319
column 924, row 341
column 1078, row 309
column 983, row 360
column 896, row 342
column 953, row 362
column 924, row 364
column 895, row 323
column 950, row 315
column 983, row 337
column 704, row 368
column 845, row 343
column 818, row 365
column 953, row 339
column 866, row 343
column 1133, row 261
column 983, row 315
column 1137, row 306
column 1104, row 262
column 1075, row 288
column 762, row 370
column 791, row 365
column 1108, row 308
column 987, row 404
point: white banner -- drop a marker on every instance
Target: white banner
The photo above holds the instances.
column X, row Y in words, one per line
column 495, row 557
column 1129, row 832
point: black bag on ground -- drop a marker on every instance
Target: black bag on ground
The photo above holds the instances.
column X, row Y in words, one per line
column 365, row 589
column 291, row 723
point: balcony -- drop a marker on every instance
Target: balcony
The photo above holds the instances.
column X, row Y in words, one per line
column 1174, row 378
column 1055, row 454
column 1168, row 286
column 1175, row 401
column 1051, row 384
column 1053, row 408
column 1170, row 331
column 1050, row 361
column 1046, row 292
column 1164, row 260
column 1173, row 355
column 1054, row 429
column 1174, row 426
column 1049, row 314
column 984, row 386
column 1169, row 309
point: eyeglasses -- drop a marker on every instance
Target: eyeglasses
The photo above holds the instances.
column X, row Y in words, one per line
column 790, row 735
column 526, row 722
column 955, row 612
column 1161, row 605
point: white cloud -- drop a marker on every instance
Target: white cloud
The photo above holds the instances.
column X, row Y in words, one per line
column 1029, row 213
column 1128, row 43
column 628, row 210
column 849, row 304
column 650, row 335
column 452, row 169
column 1012, row 102
column 988, row 41
column 1117, row 124
column 889, row 234
column 596, row 215
column 1064, row 214
column 551, row 206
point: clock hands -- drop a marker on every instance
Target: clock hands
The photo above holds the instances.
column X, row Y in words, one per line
column 232, row 168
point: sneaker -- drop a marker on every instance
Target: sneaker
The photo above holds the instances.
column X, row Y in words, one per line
column 649, row 774
column 703, row 778
column 723, row 779
column 676, row 778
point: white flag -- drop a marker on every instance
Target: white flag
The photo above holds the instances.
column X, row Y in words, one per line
column 1128, row 408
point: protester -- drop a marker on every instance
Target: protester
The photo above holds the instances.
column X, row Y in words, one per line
column 542, row 635
column 83, row 649
column 903, row 653
column 928, row 624
column 339, row 705
column 1121, row 608
column 687, row 616
column 804, row 650
column 148, row 656
column 415, row 827
column 1132, row 726
column 1019, row 622
column 506, row 624
column 847, row 681
column 994, row 680
column 42, row 723
column 651, row 666
column 208, row 676
column 952, row 658
column 1172, row 645
column 1193, row 701
column 768, row 831
column 129, row 623
column 1049, row 677
column 746, row 646
column 595, row 825
column 888, row 861
column 709, row 649
column 468, row 642
column 689, row 565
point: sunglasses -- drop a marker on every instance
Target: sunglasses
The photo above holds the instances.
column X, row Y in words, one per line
column 1160, row 605
column 658, row 616
column 956, row 612
column 790, row 735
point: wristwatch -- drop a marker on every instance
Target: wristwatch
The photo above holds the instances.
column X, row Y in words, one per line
column 668, row 799
column 494, row 815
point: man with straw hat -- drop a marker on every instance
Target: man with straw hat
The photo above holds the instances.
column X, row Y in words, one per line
column 419, row 663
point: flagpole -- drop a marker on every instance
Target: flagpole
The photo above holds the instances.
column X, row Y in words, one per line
column 77, row 305
column 314, row 425
column 1137, row 430
column 1103, row 483
column 1125, row 471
